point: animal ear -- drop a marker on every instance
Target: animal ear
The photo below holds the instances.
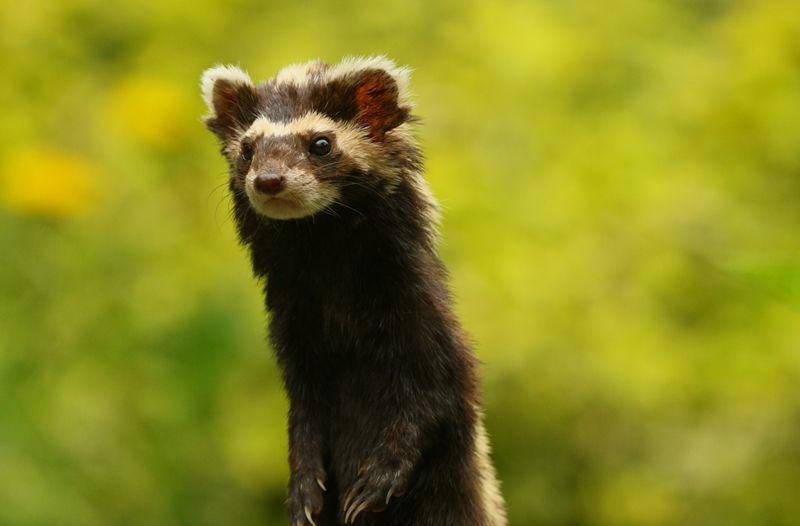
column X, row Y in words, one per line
column 231, row 99
column 377, row 104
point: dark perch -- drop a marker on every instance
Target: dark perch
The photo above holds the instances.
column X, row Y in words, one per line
column 384, row 423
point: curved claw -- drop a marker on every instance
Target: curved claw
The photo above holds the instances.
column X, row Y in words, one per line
column 350, row 508
column 321, row 484
column 389, row 495
column 308, row 515
column 351, row 495
column 358, row 510
column 372, row 493
column 348, row 511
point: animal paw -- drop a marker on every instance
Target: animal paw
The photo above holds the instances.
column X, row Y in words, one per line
column 375, row 486
column 305, row 498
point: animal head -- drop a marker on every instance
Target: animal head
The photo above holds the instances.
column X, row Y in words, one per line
column 303, row 141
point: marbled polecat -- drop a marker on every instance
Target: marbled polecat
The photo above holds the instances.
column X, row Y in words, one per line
column 385, row 424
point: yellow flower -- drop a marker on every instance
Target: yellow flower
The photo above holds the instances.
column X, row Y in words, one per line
column 149, row 110
column 48, row 182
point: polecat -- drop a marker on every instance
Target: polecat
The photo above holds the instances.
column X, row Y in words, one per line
column 385, row 424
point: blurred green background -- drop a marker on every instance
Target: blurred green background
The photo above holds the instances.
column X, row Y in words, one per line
column 621, row 189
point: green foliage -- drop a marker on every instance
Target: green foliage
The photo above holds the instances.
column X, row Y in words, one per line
column 620, row 184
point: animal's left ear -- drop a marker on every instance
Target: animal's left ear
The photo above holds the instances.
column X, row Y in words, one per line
column 231, row 99
column 377, row 102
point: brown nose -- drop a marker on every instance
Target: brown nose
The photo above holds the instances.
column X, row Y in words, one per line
column 269, row 183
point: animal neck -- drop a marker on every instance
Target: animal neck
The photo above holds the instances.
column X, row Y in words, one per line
column 387, row 233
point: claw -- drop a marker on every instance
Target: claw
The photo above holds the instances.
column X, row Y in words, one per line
column 347, row 515
column 346, row 501
column 350, row 496
column 389, row 495
column 321, row 484
column 308, row 516
column 350, row 510
column 358, row 510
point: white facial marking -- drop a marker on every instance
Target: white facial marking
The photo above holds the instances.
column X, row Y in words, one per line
column 351, row 138
column 303, row 196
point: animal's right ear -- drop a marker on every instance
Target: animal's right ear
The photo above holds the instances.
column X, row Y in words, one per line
column 231, row 99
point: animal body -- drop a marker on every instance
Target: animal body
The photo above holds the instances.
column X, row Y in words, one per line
column 385, row 423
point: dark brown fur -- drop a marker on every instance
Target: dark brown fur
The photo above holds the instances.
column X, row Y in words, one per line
column 381, row 379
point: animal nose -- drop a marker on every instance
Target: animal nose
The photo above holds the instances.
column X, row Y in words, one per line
column 269, row 183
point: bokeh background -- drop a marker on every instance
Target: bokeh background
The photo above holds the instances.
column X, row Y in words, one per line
column 621, row 189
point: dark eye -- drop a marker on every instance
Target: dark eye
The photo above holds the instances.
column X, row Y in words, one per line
column 320, row 146
column 246, row 152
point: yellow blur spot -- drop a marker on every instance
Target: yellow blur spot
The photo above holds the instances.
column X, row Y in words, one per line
column 148, row 110
column 48, row 182
column 638, row 498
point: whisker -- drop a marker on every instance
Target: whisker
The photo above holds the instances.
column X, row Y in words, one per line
column 339, row 203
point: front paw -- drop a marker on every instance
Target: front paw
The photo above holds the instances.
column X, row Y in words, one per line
column 374, row 488
column 305, row 498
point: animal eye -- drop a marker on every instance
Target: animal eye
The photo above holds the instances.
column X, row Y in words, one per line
column 320, row 146
column 246, row 152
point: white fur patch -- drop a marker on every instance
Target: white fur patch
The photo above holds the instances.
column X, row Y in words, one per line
column 230, row 74
column 302, row 197
column 490, row 488
column 300, row 73
column 311, row 121
column 430, row 207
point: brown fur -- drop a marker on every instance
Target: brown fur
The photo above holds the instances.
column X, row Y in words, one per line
column 384, row 423
column 376, row 100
